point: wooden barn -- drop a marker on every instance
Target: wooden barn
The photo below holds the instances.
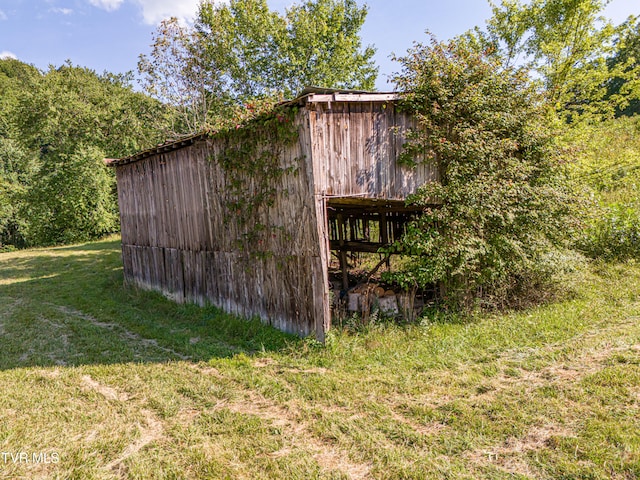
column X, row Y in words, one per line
column 248, row 220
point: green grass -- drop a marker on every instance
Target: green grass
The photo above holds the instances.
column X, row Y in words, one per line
column 120, row 383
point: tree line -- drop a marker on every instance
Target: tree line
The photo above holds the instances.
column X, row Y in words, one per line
column 237, row 59
column 56, row 128
column 497, row 108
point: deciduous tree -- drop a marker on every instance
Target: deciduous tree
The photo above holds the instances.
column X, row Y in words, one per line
column 243, row 52
column 55, row 130
column 623, row 85
column 566, row 43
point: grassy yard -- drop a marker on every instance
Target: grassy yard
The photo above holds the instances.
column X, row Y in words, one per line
column 99, row 381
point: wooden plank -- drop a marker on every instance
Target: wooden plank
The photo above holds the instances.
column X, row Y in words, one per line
column 158, row 280
column 366, row 97
column 205, row 187
column 404, row 176
column 163, row 203
column 355, row 145
column 138, row 270
column 343, row 248
column 142, row 207
column 321, row 310
column 367, row 150
column 175, row 274
column 171, row 206
column 179, row 202
column 194, row 271
column 146, row 261
column 350, row 97
column 136, row 220
column 341, row 147
column 199, row 270
column 127, row 263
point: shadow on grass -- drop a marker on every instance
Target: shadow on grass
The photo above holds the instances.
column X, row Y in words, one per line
column 69, row 306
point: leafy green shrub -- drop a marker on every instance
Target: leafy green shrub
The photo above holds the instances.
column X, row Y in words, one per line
column 16, row 169
column 72, row 200
column 501, row 205
column 608, row 166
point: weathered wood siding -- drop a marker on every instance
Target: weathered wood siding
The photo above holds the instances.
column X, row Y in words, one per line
column 356, row 147
column 178, row 236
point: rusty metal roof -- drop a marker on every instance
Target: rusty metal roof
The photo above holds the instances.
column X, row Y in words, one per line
column 162, row 148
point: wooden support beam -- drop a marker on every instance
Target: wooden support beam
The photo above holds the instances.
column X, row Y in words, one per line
column 345, row 269
column 364, row 247
column 377, row 267
column 384, row 233
column 351, row 209
column 343, row 253
column 352, row 97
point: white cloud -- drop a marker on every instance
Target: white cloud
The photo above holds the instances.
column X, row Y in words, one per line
column 108, row 5
column 6, row 54
column 154, row 11
column 63, row 11
column 3, row 16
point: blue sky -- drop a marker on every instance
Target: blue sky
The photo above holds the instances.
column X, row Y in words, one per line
column 111, row 34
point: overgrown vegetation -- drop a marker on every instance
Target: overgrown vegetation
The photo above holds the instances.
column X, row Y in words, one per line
column 123, row 383
column 608, row 165
column 498, row 219
column 252, row 154
column 253, row 160
column 508, row 144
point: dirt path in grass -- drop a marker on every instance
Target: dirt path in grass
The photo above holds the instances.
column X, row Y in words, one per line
column 296, row 432
column 107, row 392
column 299, row 435
column 583, row 360
column 150, row 429
column 9, row 306
column 120, row 331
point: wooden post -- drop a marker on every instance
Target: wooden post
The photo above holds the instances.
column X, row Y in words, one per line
column 384, row 235
column 366, row 229
column 343, row 253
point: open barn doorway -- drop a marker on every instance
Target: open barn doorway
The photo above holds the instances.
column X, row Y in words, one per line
column 359, row 230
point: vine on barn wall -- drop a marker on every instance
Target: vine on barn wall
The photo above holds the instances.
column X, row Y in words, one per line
column 252, row 159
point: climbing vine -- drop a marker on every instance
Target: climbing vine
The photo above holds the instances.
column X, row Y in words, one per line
column 252, row 159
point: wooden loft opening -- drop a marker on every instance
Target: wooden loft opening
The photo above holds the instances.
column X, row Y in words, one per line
column 364, row 225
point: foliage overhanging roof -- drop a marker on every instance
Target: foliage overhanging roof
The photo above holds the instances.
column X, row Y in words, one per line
column 308, row 95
